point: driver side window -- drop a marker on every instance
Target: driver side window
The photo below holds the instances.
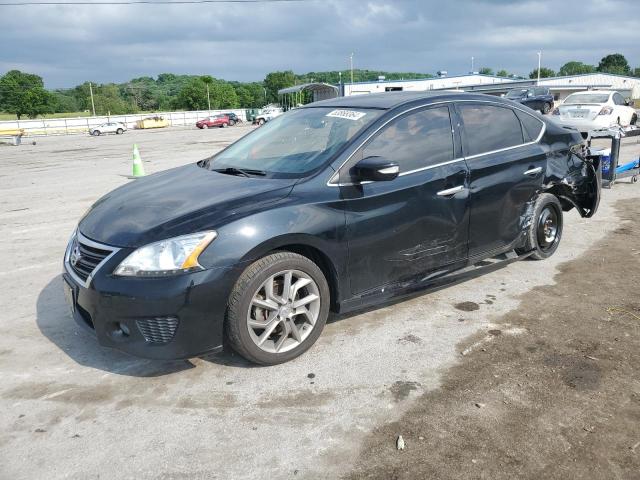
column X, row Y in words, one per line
column 415, row 140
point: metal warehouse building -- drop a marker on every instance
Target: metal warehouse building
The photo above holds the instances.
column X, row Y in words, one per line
column 560, row 86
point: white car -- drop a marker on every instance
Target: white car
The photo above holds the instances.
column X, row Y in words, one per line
column 595, row 109
column 267, row 114
column 109, row 127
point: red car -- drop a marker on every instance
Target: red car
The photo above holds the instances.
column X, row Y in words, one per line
column 221, row 121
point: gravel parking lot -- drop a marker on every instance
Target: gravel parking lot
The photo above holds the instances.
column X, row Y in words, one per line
column 71, row 409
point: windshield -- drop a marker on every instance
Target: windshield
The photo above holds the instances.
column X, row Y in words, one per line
column 587, row 98
column 294, row 143
column 516, row 93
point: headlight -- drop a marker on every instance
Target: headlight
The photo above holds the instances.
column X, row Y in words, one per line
column 171, row 256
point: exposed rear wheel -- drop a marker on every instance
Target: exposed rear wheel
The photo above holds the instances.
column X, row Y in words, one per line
column 277, row 309
column 545, row 231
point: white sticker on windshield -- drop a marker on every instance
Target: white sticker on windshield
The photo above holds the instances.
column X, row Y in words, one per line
column 348, row 114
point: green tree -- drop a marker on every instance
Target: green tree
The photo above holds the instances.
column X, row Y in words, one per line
column 502, row 73
column 24, row 94
column 64, row 102
column 109, row 101
column 193, row 96
column 575, row 68
column 275, row 81
column 544, row 73
column 486, row 71
column 614, row 63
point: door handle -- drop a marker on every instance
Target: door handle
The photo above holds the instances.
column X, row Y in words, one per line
column 450, row 191
column 533, row 171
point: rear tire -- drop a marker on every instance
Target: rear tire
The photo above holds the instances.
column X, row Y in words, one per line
column 96, row 133
column 545, row 231
column 225, row 125
column 261, row 121
column 205, row 126
column 258, row 297
column 634, row 119
column 232, row 122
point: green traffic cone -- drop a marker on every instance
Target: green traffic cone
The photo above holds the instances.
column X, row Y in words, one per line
column 138, row 168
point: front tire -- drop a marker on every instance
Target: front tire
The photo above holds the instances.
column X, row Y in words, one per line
column 261, row 121
column 634, row 119
column 277, row 308
column 546, row 108
column 96, row 133
column 119, row 131
column 545, row 231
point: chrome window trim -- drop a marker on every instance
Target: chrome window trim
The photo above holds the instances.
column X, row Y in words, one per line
column 336, row 175
column 86, row 241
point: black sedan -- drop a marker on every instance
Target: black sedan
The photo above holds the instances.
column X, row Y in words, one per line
column 337, row 206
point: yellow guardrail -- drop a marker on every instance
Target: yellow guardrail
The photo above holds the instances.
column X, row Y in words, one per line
column 12, row 132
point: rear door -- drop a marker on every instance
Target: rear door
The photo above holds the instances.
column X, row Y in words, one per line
column 506, row 166
column 418, row 222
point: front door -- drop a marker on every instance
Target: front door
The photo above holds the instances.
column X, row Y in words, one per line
column 507, row 167
column 417, row 223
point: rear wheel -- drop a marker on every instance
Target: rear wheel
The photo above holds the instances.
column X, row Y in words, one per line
column 545, row 230
column 634, row 119
column 225, row 125
column 277, row 309
column 232, row 122
column 205, row 126
column 546, row 108
column 261, row 121
column 96, row 133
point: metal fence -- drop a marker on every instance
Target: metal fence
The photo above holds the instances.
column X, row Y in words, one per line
column 67, row 126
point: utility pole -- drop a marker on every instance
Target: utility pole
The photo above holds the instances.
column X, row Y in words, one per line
column 93, row 106
column 539, row 62
column 472, row 70
column 208, row 98
column 351, row 66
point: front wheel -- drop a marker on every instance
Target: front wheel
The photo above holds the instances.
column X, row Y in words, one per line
column 634, row 119
column 96, row 133
column 277, row 308
column 232, row 122
column 261, row 121
column 119, row 131
column 545, row 231
column 546, row 108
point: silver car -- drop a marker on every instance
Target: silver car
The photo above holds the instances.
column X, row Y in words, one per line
column 109, row 127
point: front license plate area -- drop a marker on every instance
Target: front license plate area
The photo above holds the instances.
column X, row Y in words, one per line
column 69, row 294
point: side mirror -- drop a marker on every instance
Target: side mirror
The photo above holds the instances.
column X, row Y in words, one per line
column 375, row 169
column 628, row 102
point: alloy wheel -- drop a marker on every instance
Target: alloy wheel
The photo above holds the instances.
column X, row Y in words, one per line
column 283, row 311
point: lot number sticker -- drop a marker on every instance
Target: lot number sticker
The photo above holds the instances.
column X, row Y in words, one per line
column 348, row 114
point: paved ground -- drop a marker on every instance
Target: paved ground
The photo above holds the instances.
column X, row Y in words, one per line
column 70, row 409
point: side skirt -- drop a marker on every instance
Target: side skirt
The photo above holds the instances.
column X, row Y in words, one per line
column 432, row 282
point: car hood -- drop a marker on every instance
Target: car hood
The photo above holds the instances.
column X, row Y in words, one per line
column 176, row 202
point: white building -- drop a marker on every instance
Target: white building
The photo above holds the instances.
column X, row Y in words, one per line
column 438, row 83
column 560, row 86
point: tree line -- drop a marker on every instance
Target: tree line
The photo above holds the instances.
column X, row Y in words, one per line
column 24, row 94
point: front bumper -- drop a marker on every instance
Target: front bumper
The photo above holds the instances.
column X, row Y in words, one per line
column 175, row 317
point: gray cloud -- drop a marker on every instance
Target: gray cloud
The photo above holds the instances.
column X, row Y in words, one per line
column 70, row 44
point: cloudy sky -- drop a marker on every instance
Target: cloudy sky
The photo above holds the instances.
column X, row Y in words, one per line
column 67, row 45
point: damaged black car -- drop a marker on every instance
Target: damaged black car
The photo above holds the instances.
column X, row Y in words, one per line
column 337, row 206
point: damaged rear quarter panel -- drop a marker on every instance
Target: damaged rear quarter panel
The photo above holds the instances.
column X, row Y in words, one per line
column 574, row 179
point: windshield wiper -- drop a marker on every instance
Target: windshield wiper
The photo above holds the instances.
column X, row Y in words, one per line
column 239, row 171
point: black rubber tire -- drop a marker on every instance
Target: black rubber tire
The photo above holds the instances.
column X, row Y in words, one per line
column 225, row 125
column 544, row 201
column 261, row 121
column 546, row 108
column 232, row 123
column 96, row 133
column 119, row 131
column 254, row 275
column 205, row 126
column 634, row 119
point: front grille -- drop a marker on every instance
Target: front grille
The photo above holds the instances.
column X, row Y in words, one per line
column 159, row 329
column 84, row 258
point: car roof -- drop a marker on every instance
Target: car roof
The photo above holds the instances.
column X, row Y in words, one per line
column 390, row 100
column 595, row 92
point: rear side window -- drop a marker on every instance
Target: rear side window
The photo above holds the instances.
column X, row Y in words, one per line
column 415, row 140
column 489, row 127
column 531, row 126
column 540, row 91
column 617, row 99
